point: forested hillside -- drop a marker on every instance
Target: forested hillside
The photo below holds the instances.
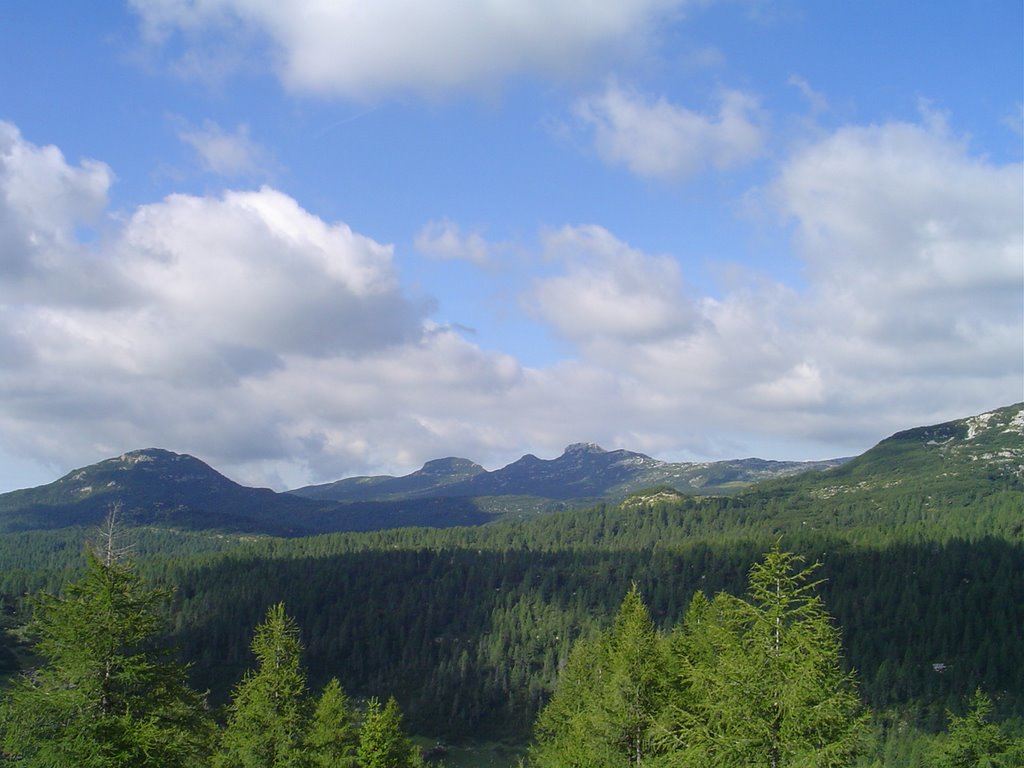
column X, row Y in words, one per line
column 920, row 542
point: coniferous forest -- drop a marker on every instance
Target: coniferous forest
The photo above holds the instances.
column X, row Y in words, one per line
column 838, row 618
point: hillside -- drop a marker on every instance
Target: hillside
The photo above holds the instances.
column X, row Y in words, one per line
column 159, row 488
column 155, row 487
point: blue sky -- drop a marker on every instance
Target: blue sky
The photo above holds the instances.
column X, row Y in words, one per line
column 312, row 240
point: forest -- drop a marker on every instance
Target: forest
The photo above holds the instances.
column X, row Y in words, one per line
column 756, row 680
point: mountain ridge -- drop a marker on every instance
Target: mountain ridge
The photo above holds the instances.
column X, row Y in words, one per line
column 582, row 471
column 158, row 487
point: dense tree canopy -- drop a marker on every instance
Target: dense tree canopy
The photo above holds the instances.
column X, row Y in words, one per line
column 754, row 682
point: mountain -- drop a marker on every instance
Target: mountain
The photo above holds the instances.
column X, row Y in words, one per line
column 154, row 487
column 160, row 488
column 989, row 444
column 951, row 457
column 584, row 472
column 432, row 479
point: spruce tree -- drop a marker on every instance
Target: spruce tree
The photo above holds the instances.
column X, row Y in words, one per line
column 106, row 697
column 269, row 711
column 562, row 732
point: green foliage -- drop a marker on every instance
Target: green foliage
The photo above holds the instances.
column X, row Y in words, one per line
column 603, row 712
column 921, row 542
column 761, row 682
column 106, row 697
column 752, row 683
column 333, row 738
column 269, row 713
column 974, row 742
column 382, row 743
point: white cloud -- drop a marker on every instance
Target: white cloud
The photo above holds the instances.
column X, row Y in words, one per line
column 43, row 201
column 195, row 301
column 358, row 49
column 609, row 290
column 281, row 348
column 912, row 307
column 659, row 139
column 227, row 154
column 817, row 101
column 444, row 239
column 911, row 237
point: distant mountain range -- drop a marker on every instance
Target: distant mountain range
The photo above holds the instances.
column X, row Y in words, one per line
column 161, row 488
column 585, row 471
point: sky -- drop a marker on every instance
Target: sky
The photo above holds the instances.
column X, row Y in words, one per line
column 311, row 240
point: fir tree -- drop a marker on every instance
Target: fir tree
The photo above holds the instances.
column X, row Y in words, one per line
column 974, row 742
column 763, row 684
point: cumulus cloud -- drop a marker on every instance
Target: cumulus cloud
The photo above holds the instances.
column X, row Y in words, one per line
column 280, row 347
column 914, row 267
column 655, row 138
column 609, row 290
column 227, row 154
column 444, row 239
column 196, row 299
column 911, row 237
column 358, row 49
column 44, row 199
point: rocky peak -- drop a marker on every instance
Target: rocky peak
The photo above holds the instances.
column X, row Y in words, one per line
column 451, row 466
column 577, row 449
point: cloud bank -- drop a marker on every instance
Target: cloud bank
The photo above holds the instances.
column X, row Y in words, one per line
column 247, row 330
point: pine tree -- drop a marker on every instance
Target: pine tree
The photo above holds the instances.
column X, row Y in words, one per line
column 106, row 697
column 333, row 738
column 632, row 694
column 753, row 682
column 382, row 743
column 269, row 711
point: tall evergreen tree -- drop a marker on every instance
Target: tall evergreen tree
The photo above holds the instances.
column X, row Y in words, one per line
column 562, row 732
column 753, row 682
column 333, row 737
column 762, row 684
column 106, row 696
column 382, row 743
column 606, row 705
column 268, row 714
